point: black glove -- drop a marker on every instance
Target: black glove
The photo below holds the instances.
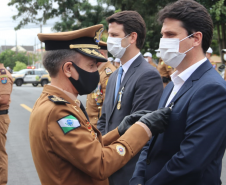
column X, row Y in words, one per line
column 129, row 120
column 157, row 121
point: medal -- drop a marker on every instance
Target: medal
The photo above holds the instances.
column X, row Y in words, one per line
column 120, row 99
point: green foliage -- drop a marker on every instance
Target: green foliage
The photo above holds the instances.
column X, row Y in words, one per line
column 19, row 66
column 9, row 57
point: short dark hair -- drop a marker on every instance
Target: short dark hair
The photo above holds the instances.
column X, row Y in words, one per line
column 194, row 18
column 54, row 59
column 132, row 22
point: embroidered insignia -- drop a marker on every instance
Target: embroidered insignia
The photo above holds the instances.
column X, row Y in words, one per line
column 98, row 35
column 108, row 71
column 121, row 150
column 169, row 67
column 57, row 100
column 68, row 123
column 3, row 71
column 3, row 79
column 89, row 126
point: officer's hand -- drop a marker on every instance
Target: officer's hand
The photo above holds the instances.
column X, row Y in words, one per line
column 157, row 121
column 129, row 120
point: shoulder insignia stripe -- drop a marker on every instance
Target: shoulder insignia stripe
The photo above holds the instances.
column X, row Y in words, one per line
column 3, row 71
column 57, row 100
column 68, row 123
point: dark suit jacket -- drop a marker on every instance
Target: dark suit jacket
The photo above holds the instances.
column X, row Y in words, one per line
column 190, row 152
column 142, row 91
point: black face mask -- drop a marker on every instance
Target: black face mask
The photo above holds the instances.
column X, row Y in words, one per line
column 87, row 81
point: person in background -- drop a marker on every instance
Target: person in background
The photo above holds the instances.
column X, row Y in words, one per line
column 95, row 100
column 111, row 60
column 148, row 57
column 209, row 53
column 6, row 86
column 135, row 85
column 164, row 70
column 191, row 150
column 117, row 62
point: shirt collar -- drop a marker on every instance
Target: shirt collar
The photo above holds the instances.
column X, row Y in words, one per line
column 182, row 77
column 126, row 66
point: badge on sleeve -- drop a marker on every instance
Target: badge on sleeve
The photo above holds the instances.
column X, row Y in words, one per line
column 3, row 79
column 108, row 71
column 68, row 123
column 121, row 150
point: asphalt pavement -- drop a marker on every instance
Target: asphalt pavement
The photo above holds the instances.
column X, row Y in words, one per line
column 21, row 167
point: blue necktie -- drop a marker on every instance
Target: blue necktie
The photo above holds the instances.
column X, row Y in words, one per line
column 120, row 71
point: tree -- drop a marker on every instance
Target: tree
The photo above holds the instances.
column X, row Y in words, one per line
column 74, row 14
column 9, row 57
column 19, row 66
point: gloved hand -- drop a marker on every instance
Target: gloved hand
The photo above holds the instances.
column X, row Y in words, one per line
column 157, row 121
column 129, row 120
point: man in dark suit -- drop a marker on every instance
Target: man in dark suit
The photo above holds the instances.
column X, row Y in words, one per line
column 190, row 152
column 134, row 86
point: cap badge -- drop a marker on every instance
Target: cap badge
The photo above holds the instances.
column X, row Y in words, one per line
column 98, row 35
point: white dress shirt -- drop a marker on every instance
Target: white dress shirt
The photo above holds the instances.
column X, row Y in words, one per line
column 126, row 66
column 179, row 79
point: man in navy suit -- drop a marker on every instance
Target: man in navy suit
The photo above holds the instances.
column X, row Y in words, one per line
column 134, row 86
column 190, row 152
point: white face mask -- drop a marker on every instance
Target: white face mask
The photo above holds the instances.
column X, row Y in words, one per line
column 115, row 48
column 169, row 51
column 158, row 55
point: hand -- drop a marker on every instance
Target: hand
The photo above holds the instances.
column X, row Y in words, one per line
column 129, row 120
column 157, row 121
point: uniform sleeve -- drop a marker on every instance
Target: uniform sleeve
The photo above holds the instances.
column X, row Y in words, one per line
column 6, row 88
column 204, row 137
column 86, row 153
column 110, row 137
column 148, row 91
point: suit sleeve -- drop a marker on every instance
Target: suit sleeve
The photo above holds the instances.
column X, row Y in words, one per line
column 204, row 136
column 79, row 148
column 139, row 172
column 148, row 91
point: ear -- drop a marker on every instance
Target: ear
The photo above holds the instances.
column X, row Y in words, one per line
column 197, row 38
column 67, row 69
column 133, row 37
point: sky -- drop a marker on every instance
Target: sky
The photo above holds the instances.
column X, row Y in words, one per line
column 25, row 36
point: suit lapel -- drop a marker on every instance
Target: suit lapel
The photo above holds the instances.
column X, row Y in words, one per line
column 126, row 78
column 167, row 91
column 196, row 75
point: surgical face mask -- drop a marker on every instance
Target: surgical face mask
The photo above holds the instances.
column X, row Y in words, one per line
column 169, row 51
column 114, row 46
column 158, row 55
column 87, row 81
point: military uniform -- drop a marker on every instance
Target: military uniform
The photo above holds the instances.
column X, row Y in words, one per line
column 165, row 71
column 68, row 150
column 6, row 85
column 95, row 100
column 153, row 64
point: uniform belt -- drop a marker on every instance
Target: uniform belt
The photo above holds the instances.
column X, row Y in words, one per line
column 3, row 112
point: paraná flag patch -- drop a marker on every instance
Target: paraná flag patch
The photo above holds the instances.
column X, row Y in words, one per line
column 68, row 123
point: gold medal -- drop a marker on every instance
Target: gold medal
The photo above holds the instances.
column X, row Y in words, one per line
column 119, row 105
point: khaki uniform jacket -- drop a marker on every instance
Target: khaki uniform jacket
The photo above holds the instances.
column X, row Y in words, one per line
column 77, row 157
column 5, row 88
column 93, row 110
column 164, row 70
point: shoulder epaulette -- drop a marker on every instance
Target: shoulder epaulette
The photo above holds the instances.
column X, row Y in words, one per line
column 57, row 100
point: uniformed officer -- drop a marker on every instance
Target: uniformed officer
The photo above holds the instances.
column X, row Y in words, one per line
column 6, row 86
column 66, row 148
column 164, row 70
column 208, row 55
column 95, row 100
column 117, row 63
column 148, row 57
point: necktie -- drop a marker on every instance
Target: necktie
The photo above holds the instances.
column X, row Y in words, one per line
column 120, row 71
